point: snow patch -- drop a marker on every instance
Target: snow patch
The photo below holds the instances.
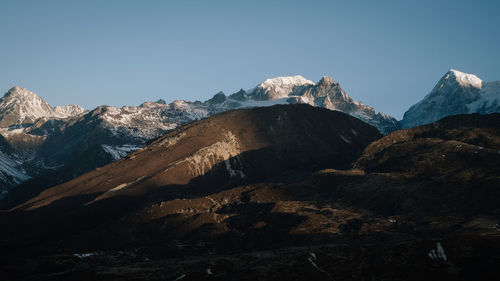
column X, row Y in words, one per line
column 438, row 253
column 345, row 139
column 489, row 102
column 84, row 255
column 11, row 171
column 180, row 277
column 312, row 259
column 119, row 151
column 125, row 185
column 466, row 79
column 279, row 87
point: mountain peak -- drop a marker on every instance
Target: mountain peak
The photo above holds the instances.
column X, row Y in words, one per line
column 456, row 92
column 17, row 91
column 278, row 87
column 21, row 106
column 296, row 80
column 218, row 98
column 326, row 80
column 464, row 79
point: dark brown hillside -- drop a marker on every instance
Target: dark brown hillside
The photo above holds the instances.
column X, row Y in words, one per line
column 456, row 148
column 405, row 212
column 201, row 158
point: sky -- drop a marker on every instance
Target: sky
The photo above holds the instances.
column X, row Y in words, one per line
column 387, row 54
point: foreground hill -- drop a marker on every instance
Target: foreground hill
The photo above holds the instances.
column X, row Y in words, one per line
column 417, row 204
column 210, row 155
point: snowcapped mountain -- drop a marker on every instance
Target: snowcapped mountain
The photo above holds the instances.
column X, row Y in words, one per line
column 326, row 93
column 48, row 139
column 279, row 87
column 26, row 121
column 20, row 106
column 455, row 93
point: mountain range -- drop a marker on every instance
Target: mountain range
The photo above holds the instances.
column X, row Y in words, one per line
column 284, row 192
column 50, row 145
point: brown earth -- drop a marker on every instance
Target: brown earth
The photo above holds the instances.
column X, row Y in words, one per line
column 409, row 199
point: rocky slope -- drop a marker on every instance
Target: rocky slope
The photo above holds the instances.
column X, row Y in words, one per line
column 417, row 204
column 455, row 93
column 232, row 146
column 62, row 142
column 11, row 171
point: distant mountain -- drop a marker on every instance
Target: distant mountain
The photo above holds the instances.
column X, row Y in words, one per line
column 21, row 107
column 279, row 87
column 326, row 93
column 46, row 139
column 455, row 93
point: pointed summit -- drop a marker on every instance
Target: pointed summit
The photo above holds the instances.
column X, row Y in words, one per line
column 452, row 95
column 17, row 92
column 20, row 106
column 326, row 80
column 220, row 97
column 241, row 95
column 464, row 79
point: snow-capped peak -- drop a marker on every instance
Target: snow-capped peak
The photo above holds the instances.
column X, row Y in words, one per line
column 465, row 79
column 20, row 106
column 282, row 81
column 278, row 87
column 455, row 93
column 17, row 91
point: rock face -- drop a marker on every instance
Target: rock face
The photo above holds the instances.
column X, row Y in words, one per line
column 11, row 171
column 328, row 94
column 455, row 93
column 417, row 204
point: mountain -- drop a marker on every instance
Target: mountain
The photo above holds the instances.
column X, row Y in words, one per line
column 455, row 93
column 236, row 145
column 279, row 87
column 26, row 121
column 326, row 93
column 62, row 142
column 288, row 192
column 21, row 107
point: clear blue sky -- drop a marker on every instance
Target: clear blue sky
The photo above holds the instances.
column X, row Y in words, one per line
column 388, row 54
